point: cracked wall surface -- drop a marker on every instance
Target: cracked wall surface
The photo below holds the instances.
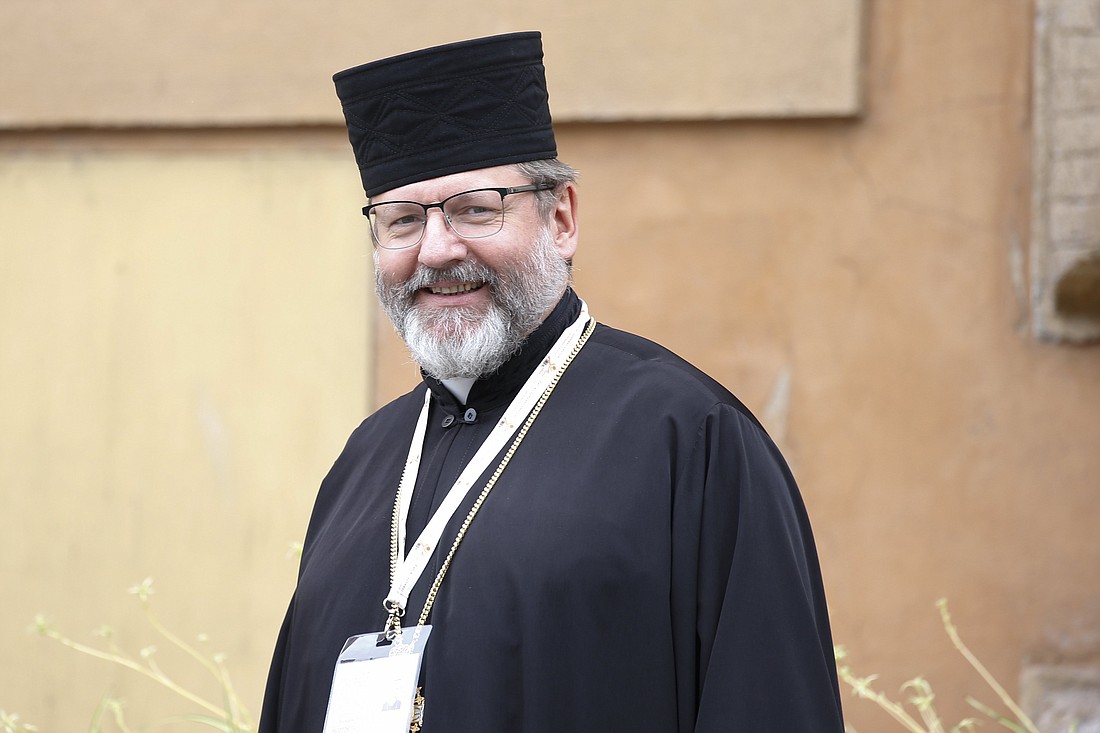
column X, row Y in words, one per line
column 1062, row 698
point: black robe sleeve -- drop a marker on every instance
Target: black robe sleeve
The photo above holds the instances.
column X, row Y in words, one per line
column 747, row 588
column 269, row 713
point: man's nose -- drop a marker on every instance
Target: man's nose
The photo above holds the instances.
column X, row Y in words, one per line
column 440, row 246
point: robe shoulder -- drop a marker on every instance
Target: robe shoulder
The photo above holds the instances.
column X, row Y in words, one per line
column 748, row 610
column 658, row 370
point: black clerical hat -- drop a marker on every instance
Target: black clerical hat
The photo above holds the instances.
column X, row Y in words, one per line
column 446, row 109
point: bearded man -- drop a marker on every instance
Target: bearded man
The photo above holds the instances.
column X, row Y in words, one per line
column 565, row 527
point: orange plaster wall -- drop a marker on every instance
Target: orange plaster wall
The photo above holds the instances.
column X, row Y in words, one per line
column 880, row 265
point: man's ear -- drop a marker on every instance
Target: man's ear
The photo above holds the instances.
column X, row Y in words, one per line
column 564, row 221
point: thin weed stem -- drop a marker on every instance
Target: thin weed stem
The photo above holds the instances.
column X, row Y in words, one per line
column 953, row 634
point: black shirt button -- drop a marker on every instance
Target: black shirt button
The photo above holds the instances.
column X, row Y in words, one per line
column 470, row 416
column 448, row 421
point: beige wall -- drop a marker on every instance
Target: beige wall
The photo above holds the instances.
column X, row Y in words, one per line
column 208, row 62
column 173, row 393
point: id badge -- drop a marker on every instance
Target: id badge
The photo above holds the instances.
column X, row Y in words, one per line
column 374, row 686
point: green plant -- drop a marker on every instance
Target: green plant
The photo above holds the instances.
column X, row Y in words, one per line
column 9, row 723
column 227, row 715
column 922, row 699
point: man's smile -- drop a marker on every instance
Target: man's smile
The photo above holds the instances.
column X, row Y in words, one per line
column 455, row 289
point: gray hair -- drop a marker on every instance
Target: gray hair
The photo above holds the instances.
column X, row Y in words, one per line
column 551, row 171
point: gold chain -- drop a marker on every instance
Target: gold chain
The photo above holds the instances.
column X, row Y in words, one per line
column 484, row 492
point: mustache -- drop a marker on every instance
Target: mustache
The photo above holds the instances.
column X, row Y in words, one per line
column 468, row 271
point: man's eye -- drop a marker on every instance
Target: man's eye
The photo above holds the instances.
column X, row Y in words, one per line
column 475, row 211
column 402, row 221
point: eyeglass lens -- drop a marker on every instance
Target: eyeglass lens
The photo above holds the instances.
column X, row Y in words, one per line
column 472, row 214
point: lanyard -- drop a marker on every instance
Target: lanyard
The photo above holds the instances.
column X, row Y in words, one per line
column 409, row 567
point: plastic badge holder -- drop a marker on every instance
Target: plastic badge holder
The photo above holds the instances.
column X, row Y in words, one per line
column 374, row 686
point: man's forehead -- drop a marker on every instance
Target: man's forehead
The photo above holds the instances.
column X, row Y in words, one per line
column 437, row 189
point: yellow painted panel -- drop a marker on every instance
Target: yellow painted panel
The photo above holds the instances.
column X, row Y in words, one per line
column 183, row 350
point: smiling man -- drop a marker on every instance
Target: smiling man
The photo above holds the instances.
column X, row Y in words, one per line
column 565, row 527
column 463, row 305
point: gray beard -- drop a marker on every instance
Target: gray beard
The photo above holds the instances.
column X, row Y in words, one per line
column 468, row 342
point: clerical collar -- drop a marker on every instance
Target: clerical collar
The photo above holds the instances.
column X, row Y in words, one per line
column 459, row 387
column 500, row 386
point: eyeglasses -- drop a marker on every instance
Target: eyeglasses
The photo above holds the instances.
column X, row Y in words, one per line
column 470, row 214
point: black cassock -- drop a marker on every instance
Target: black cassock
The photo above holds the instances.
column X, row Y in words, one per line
column 644, row 564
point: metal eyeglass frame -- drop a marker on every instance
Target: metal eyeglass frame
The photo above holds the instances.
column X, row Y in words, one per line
column 440, row 204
